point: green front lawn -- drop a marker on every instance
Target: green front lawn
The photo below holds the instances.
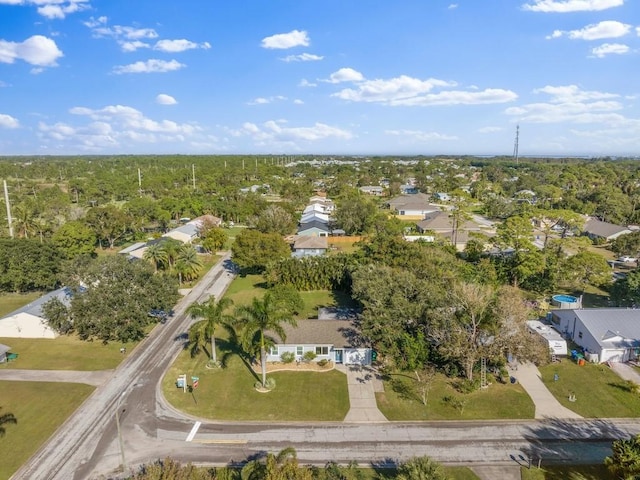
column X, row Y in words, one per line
column 13, row 301
column 228, row 393
column 497, row 401
column 599, row 392
column 575, row 472
column 40, row 408
column 64, row 353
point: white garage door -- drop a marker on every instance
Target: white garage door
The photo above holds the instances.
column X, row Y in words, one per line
column 357, row 356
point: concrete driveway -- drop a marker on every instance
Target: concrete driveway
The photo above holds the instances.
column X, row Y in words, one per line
column 363, row 383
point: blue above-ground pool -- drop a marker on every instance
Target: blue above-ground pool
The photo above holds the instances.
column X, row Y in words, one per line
column 565, row 301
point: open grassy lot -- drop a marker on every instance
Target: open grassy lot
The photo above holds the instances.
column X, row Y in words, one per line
column 39, row 408
column 497, row 401
column 599, row 392
column 228, row 393
column 12, row 301
column 574, row 472
column 64, row 353
column 244, row 288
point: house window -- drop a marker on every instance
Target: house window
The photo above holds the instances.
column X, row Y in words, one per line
column 579, row 334
column 322, row 350
column 273, row 351
column 299, row 350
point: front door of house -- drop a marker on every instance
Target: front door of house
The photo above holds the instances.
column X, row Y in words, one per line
column 338, row 355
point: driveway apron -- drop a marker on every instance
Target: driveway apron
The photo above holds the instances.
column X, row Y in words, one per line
column 362, row 382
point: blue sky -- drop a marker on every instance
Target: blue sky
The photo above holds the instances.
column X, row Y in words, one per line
column 319, row 76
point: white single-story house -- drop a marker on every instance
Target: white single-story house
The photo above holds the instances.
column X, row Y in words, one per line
column 132, row 248
column 331, row 338
column 4, row 349
column 412, row 205
column 375, row 190
column 314, row 228
column 613, row 334
column 309, row 246
column 441, row 224
column 188, row 232
column 311, row 216
column 29, row 321
column 442, row 197
column 315, row 208
column 595, row 229
column 549, row 336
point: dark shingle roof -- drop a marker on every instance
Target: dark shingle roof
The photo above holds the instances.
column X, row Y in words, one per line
column 339, row 333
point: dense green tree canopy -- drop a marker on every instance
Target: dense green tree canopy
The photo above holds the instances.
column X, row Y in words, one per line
column 254, row 250
column 26, row 265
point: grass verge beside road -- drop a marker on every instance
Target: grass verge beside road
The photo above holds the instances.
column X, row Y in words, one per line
column 39, row 407
column 399, row 403
column 228, row 393
column 64, row 353
column 599, row 392
column 575, row 472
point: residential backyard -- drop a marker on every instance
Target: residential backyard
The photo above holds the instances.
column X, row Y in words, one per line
column 13, row 301
column 598, row 391
column 574, row 472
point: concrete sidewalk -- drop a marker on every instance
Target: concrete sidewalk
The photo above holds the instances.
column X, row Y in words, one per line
column 546, row 404
column 490, row 472
column 363, row 383
column 96, row 378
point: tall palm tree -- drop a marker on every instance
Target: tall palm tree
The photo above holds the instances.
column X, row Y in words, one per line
column 157, row 255
column 6, row 418
column 212, row 314
column 187, row 263
column 263, row 316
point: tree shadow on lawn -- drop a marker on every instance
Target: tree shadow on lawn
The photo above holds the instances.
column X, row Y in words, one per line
column 231, row 347
column 571, row 441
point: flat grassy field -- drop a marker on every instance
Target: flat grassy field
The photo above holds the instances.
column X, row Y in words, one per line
column 228, row 393
column 39, row 407
column 599, row 392
column 12, row 301
column 244, row 288
column 497, row 401
column 64, row 353
column 574, row 472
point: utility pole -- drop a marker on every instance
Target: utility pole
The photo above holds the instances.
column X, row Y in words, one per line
column 193, row 175
column 139, row 182
column 6, row 199
column 515, row 144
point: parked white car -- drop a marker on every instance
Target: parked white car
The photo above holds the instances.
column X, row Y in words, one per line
column 627, row 259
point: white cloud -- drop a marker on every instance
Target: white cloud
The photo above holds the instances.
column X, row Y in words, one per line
column 294, row 38
column 609, row 48
column 35, row 50
column 571, row 104
column 174, row 46
column 409, row 91
column 164, row 99
column 133, row 46
column 306, row 83
column 52, row 8
column 95, row 22
column 7, row 121
column 490, row 129
column 345, row 75
column 273, row 132
column 453, row 6
column 120, row 32
column 264, row 101
column 297, row 101
column 419, row 135
column 565, row 6
column 115, row 126
column 595, row 31
column 303, row 57
column 150, row 66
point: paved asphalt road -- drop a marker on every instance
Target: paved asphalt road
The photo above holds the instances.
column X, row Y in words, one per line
column 87, row 447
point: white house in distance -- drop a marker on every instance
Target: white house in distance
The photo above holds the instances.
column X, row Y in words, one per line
column 29, row 321
column 613, row 334
column 309, row 246
column 595, row 228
